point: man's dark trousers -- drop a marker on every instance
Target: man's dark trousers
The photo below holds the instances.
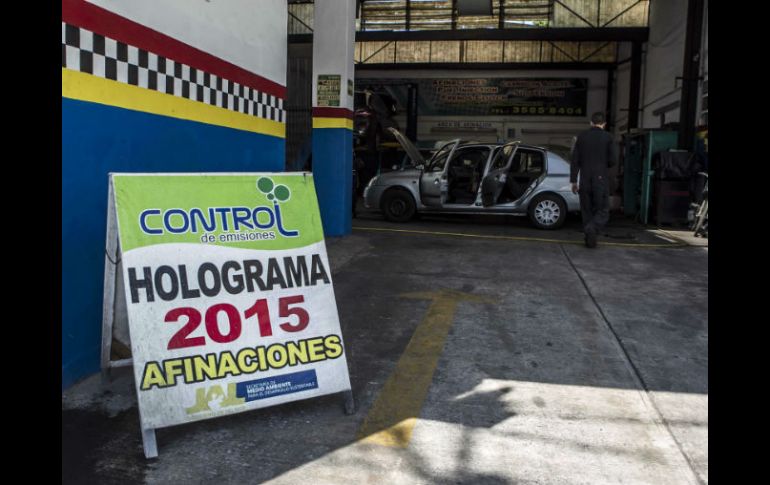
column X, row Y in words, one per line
column 594, row 203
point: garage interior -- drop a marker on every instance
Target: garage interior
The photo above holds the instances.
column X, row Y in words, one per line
column 482, row 349
column 659, row 116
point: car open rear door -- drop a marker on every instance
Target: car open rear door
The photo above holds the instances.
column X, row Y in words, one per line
column 540, row 171
column 494, row 182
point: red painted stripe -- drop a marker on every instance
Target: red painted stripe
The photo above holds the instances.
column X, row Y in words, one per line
column 324, row 112
column 96, row 19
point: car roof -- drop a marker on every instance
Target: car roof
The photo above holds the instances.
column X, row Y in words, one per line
column 498, row 144
column 462, row 143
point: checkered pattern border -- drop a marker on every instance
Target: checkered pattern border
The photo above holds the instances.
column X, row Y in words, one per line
column 86, row 51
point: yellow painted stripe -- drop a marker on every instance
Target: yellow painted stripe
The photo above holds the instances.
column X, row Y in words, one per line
column 332, row 123
column 87, row 87
column 518, row 238
column 394, row 414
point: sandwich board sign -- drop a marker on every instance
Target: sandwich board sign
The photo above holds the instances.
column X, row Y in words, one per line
column 228, row 294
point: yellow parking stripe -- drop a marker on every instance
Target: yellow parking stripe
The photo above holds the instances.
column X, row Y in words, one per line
column 393, row 415
column 518, row 238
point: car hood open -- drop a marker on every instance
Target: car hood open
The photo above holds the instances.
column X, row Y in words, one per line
column 409, row 147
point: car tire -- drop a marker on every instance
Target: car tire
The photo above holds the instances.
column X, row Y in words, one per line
column 548, row 211
column 398, row 205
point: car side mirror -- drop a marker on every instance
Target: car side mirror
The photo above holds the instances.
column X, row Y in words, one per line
column 419, row 166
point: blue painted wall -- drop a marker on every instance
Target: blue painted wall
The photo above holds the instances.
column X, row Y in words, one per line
column 333, row 176
column 98, row 139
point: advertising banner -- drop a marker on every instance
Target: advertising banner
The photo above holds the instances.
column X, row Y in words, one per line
column 489, row 96
column 228, row 292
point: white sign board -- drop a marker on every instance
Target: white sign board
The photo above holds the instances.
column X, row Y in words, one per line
column 228, row 293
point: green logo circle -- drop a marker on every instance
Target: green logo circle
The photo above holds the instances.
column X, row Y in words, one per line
column 282, row 193
column 265, row 185
column 278, row 193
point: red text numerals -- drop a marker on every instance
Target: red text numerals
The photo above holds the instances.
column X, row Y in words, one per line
column 287, row 307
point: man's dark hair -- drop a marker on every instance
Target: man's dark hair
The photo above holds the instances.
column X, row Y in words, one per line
column 598, row 118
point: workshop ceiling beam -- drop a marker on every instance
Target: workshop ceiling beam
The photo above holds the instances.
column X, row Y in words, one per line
column 582, row 66
column 619, row 34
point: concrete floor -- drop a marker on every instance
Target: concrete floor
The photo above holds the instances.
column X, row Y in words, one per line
column 566, row 365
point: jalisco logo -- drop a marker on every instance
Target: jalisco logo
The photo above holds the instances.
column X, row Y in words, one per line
column 181, row 221
column 213, row 399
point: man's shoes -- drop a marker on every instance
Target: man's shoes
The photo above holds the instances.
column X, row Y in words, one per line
column 590, row 239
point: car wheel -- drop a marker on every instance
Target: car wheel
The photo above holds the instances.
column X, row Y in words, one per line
column 548, row 211
column 398, row 205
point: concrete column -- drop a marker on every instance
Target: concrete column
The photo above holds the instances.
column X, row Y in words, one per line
column 635, row 86
column 333, row 77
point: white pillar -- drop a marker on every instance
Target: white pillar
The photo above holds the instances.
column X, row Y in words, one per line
column 333, row 79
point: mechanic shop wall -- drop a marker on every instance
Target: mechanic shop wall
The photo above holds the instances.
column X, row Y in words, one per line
column 662, row 59
column 172, row 86
column 531, row 129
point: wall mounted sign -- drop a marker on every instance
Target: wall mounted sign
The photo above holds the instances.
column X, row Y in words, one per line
column 490, row 96
column 328, row 93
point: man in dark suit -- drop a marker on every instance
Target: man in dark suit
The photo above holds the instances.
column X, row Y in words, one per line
column 592, row 156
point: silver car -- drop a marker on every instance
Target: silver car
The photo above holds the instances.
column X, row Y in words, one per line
column 477, row 178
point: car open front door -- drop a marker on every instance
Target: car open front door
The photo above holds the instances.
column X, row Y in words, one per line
column 433, row 180
column 494, row 182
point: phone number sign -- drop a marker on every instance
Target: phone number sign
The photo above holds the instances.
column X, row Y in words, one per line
column 491, row 96
column 229, row 293
column 328, row 90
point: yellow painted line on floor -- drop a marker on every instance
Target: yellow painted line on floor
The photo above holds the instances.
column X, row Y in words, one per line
column 703, row 242
column 519, row 238
column 393, row 415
